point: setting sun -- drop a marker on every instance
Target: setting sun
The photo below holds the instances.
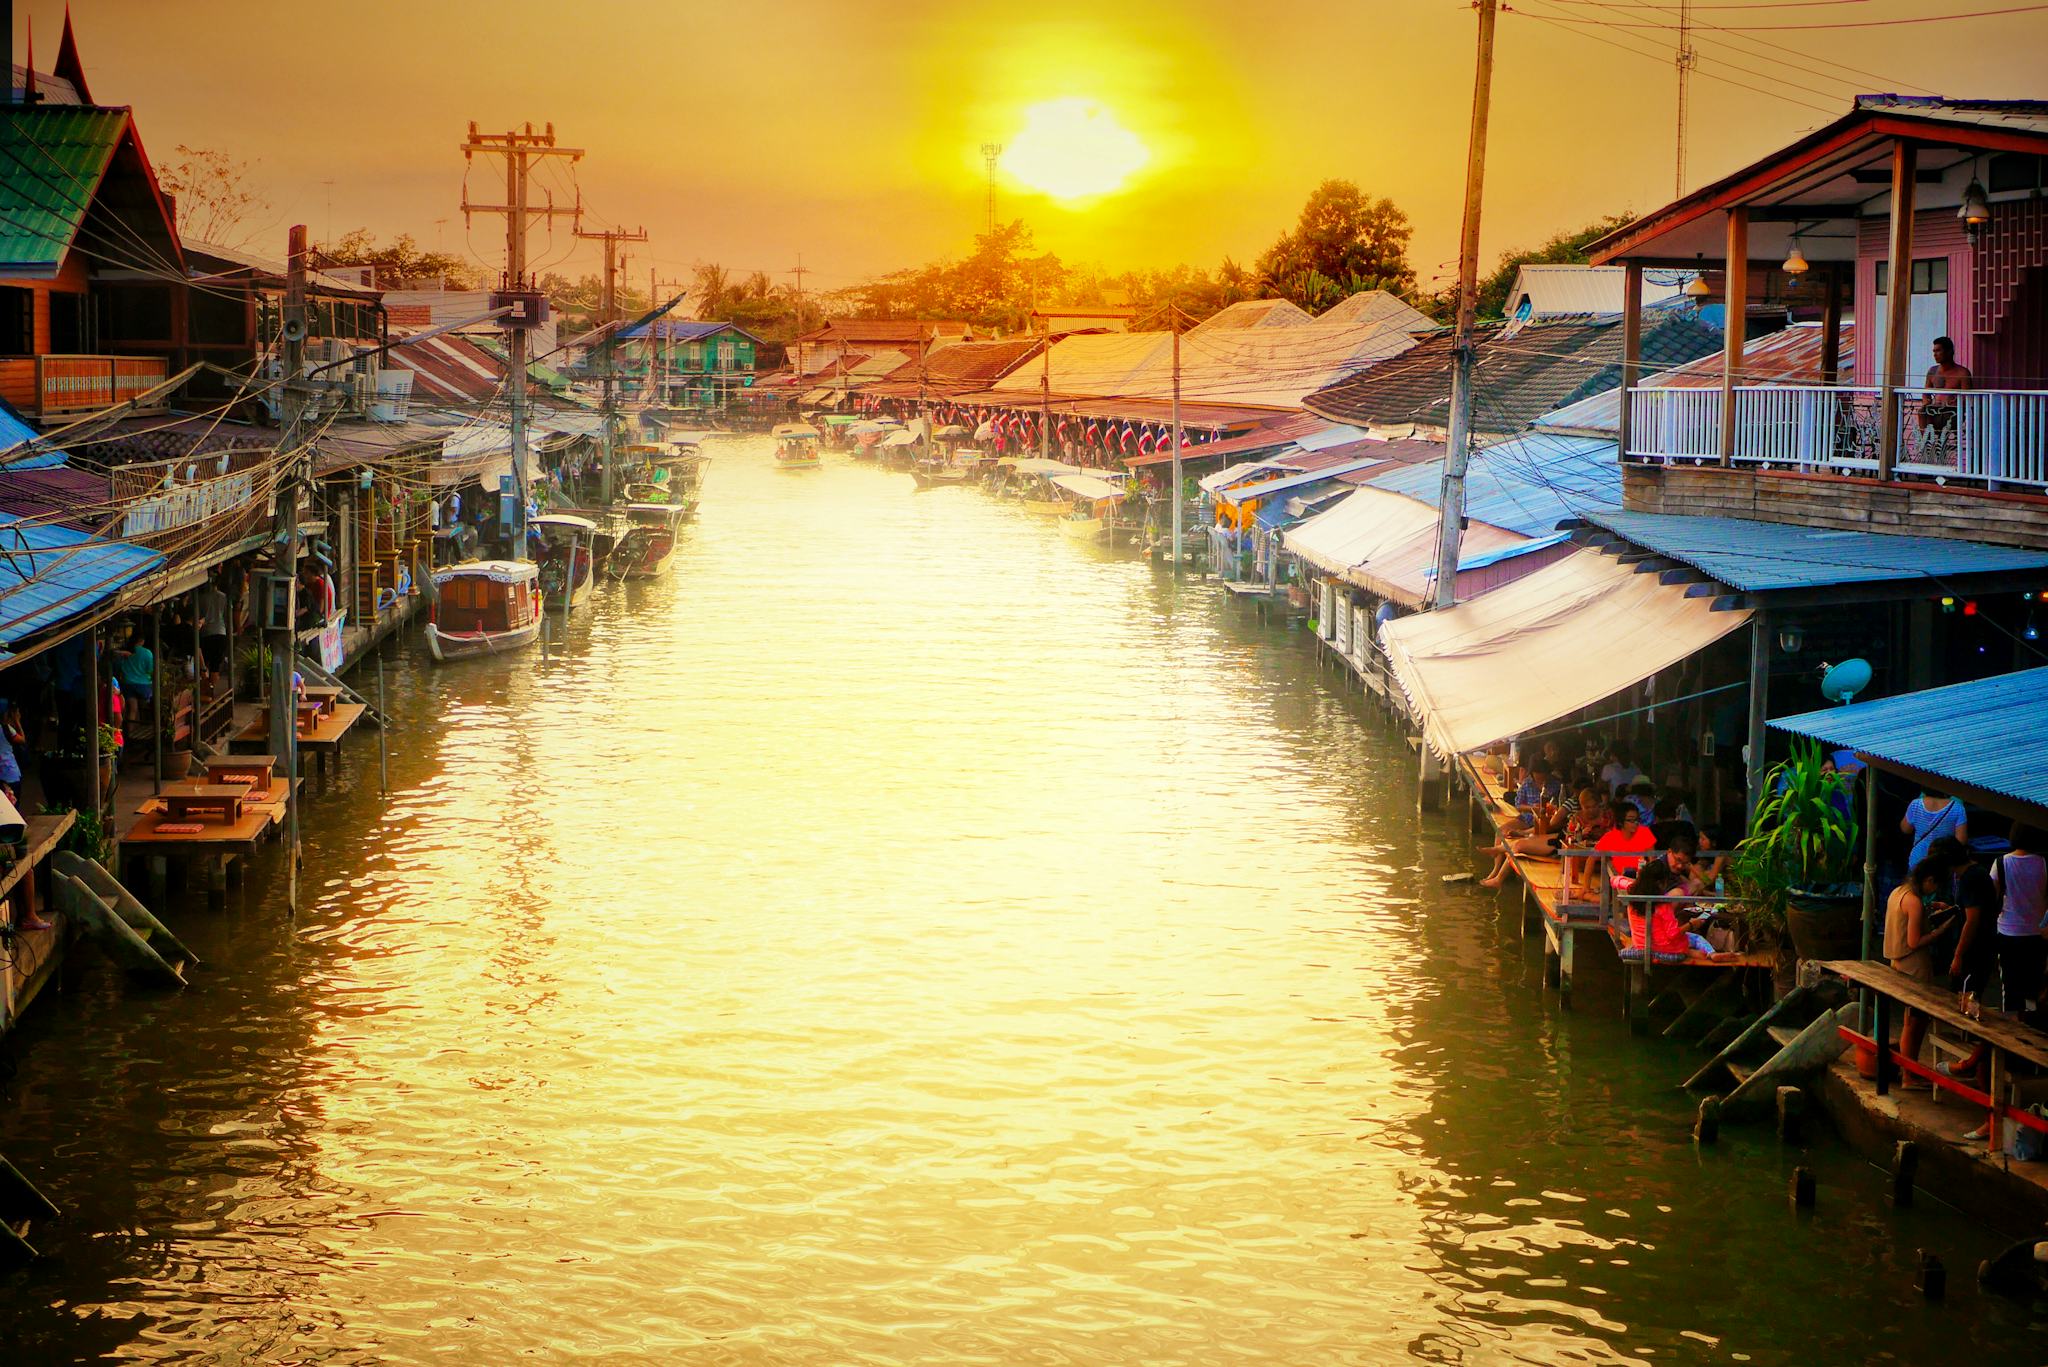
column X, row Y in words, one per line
column 1073, row 149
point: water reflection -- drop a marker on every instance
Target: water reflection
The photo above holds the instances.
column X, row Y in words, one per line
column 900, row 936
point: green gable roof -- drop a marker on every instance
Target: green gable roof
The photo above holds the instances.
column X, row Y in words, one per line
column 52, row 160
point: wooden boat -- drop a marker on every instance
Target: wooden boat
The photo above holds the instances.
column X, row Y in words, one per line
column 796, row 446
column 1091, row 505
column 649, row 542
column 567, row 544
column 941, row 477
column 484, row 607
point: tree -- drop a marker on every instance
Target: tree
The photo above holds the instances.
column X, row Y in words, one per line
column 399, row 263
column 995, row 286
column 213, row 196
column 1345, row 242
column 1568, row 248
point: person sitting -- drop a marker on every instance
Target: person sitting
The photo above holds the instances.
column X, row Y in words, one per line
column 1667, row 822
column 1619, row 771
column 1642, row 795
column 1667, row 934
column 1539, row 788
column 1627, row 841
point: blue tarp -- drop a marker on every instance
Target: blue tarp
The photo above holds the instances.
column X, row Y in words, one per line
column 50, row 574
column 1526, row 484
column 1985, row 735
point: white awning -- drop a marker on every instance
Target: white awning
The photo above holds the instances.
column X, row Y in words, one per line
column 1234, row 474
column 1543, row 647
column 900, row 439
column 1087, row 486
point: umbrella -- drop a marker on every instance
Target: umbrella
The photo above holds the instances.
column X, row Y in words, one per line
column 985, row 431
column 863, row 429
column 951, row 429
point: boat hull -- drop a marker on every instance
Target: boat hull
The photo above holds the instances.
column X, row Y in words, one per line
column 1082, row 528
column 448, row 647
column 797, row 463
column 1048, row 507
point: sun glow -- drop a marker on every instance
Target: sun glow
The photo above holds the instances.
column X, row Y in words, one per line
column 1073, row 149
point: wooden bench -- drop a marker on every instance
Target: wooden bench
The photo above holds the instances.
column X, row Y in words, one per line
column 252, row 771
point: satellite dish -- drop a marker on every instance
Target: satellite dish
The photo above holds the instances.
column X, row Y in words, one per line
column 1841, row 683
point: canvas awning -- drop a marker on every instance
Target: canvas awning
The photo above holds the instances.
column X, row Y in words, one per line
column 1386, row 544
column 1543, row 647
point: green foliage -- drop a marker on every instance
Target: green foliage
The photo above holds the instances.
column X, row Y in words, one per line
column 1804, row 836
column 399, row 261
column 1565, row 248
column 1345, row 242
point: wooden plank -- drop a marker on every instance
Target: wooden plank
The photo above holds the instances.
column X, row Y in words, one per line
column 39, row 840
column 1997, row 1028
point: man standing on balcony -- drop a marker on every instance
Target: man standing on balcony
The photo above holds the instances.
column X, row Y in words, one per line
column 1938, row 414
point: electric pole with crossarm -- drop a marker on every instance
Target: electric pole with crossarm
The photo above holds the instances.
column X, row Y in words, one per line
column 520, row 148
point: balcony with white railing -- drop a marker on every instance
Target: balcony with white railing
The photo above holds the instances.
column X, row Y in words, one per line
column 1988, row 438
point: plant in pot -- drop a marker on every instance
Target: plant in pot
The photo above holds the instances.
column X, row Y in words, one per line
column 1798, row 872
column 252, row 671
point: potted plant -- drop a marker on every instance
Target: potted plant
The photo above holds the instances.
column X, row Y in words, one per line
column 252, row 671
column 1798, row 870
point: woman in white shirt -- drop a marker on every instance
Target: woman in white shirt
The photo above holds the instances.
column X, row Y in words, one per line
column 2021, row 877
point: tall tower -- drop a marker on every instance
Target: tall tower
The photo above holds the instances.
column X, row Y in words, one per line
column 1685, row 61
column 991, row 152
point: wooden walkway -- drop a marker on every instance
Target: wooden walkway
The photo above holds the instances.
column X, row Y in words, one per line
column 1568, row 921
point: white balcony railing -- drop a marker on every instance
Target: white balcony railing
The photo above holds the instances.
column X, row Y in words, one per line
column 1993, row 437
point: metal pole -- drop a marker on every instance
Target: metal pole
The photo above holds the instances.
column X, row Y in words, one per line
column 1174, row 321
column 1459, row 453
column 92, row 720
column 1759, row 695
column 284, row 640
column 156, row 703
column 1045, row 395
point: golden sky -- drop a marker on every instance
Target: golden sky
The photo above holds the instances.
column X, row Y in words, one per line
column 745, row 133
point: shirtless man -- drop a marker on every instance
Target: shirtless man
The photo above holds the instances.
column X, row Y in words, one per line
column 1944, row 374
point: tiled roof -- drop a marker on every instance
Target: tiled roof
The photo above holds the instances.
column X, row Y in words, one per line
column 1791, row 356
column 1517, row 377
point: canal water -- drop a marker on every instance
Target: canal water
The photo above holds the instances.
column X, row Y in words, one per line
column 906, row 936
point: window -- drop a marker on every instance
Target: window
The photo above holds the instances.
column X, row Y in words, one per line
column 17, row 322
column 1929, row 276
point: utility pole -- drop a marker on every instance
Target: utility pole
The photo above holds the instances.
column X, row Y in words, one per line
column 1173, row 321
column 1045, row 395
column 1686, row 60
column 924, row 413
column 1459, row 456
column 609, row 306
column 281, row 601
column 800, row 272
column 518, row 148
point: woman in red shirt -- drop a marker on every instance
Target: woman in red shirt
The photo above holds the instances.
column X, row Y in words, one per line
column 1628, row 841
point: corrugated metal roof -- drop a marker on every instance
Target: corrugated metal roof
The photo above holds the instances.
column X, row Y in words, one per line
column 1986, row 734
column 684, row 330
column 1254, row 313
column 51, row 574
column 1517, row 377
column 52, row 159
column 1271, row 435
column 1559, row 290
column 956, row 369
column 1762, row 557
column 1272, row 488
column 1788, row 356
column 1527, row 484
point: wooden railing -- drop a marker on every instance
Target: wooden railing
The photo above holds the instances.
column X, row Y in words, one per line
column 1997, row 438
column 62, row 386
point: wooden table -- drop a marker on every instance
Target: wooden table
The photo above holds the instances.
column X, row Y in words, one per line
column 254, row 771
column 205, row 801
column 2006, row 1036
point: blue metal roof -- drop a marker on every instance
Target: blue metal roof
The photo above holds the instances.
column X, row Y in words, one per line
column 1985, row 735
column 1526, row 484
column 1757, row 557
column 13, row 432
column 50, row 574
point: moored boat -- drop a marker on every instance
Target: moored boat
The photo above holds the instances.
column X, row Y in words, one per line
column 648, row 544
column 1090, row 505
column 568, row 543
column 484, row 607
